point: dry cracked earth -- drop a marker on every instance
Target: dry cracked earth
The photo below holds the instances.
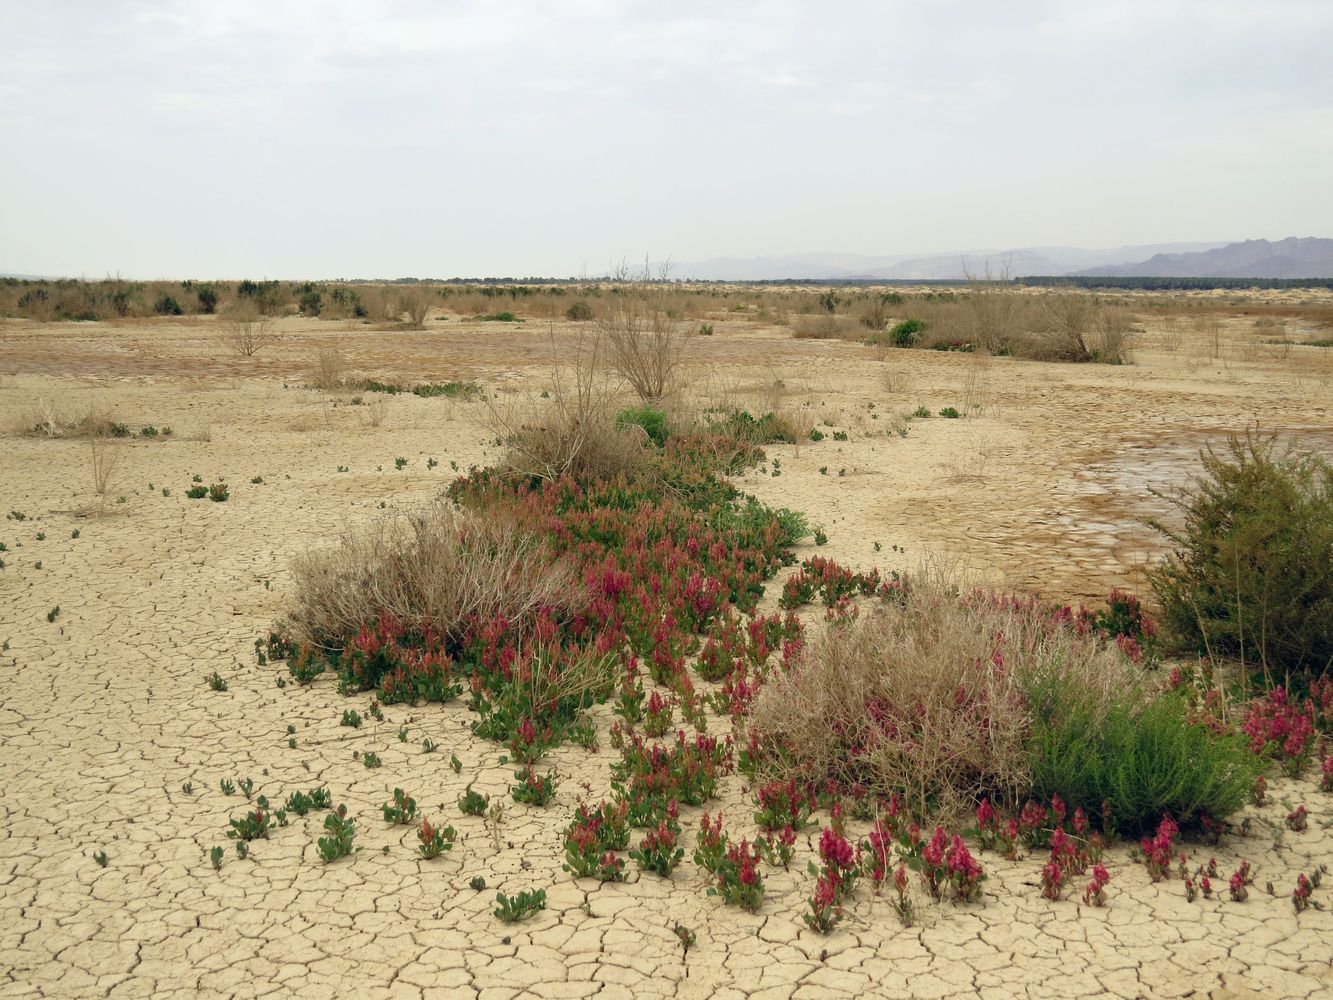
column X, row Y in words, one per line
column 106, row 718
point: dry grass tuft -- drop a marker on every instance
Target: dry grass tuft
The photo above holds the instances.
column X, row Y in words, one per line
column 330, row 370
column 106, row 457
column 435, row 567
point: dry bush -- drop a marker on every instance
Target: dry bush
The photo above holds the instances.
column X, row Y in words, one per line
column 247, row 331
column 825, row 326
column 330, row 370
column 574, row 431
column 1171, row 336
column 373, row 413
column 1066, row 318
column 435, row 567
column 414, row 304
column 923, row 698
column 646, row 343
column 106, row 457
column 874, row 316
column 1112, row 337
column 47, row 419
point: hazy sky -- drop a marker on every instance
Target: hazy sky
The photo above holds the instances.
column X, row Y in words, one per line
column 230, row 138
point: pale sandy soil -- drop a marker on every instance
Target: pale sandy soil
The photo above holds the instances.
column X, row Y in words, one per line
column 105, row 713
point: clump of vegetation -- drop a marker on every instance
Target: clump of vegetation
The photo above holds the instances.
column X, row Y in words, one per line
column 341, row 832
column 1252, row 571
column 653, row 421
column 512, row 909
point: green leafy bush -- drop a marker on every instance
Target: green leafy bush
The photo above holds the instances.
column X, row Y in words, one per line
column 653, row 422
column 1140, row 760
column 1251, row 575
column 905, row 334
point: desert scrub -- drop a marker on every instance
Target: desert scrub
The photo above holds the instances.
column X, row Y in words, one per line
column 1251, row 574
column 1134, row 755
column 436, row 566
column 921, row 698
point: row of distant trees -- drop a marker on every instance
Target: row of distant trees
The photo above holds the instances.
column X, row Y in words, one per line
column 1172, row 284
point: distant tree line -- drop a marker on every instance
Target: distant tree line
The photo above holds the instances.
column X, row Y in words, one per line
column 1170, row 284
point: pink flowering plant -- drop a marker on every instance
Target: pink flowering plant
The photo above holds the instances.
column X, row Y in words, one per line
column 739, row 880
column 1282, row 728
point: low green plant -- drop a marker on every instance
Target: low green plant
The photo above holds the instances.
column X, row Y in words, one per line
column 472, row 803
column 301, row 803
column 251, row 826
column 341, row 834
column 215, row 858
column 402, row 810
column 195, row 492
column 101, row 858
column 54, row 613
column 371, row 759
column 435, row 840
column 219, row 492
column 511, row 909
column 533, row 789
column 950, row 413
column 216, row 682
column 351, row 718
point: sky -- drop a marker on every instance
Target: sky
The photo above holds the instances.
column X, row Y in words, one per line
column 231, row 138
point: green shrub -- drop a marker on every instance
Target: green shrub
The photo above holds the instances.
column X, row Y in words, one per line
column 653, row 422
column 580, row 312
column 1141, row 760
column 500, row 317
column 167, row 306
column 904, row 334
column 1252, row 571
column 312, row 303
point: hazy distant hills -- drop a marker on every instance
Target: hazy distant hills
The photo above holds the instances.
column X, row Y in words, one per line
column 1290, row 258
column 905, row 267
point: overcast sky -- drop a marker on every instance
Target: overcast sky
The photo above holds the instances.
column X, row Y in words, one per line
column 228, row 138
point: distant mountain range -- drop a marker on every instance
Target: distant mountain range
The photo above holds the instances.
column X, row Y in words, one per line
column 1290, row 258
column 1014, row 263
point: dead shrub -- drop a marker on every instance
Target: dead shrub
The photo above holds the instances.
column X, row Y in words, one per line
column 1113, row 336
column 330, row 370
column 646, row 342
column 1066, row 320
column 823, row 326
column 922, row 698
column 437, row 567
column 573, row 431
column 247, row 331
column 106, row 457
column 414, row 305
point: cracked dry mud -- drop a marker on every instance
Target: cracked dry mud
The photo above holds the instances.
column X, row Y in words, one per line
column 105, row 713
